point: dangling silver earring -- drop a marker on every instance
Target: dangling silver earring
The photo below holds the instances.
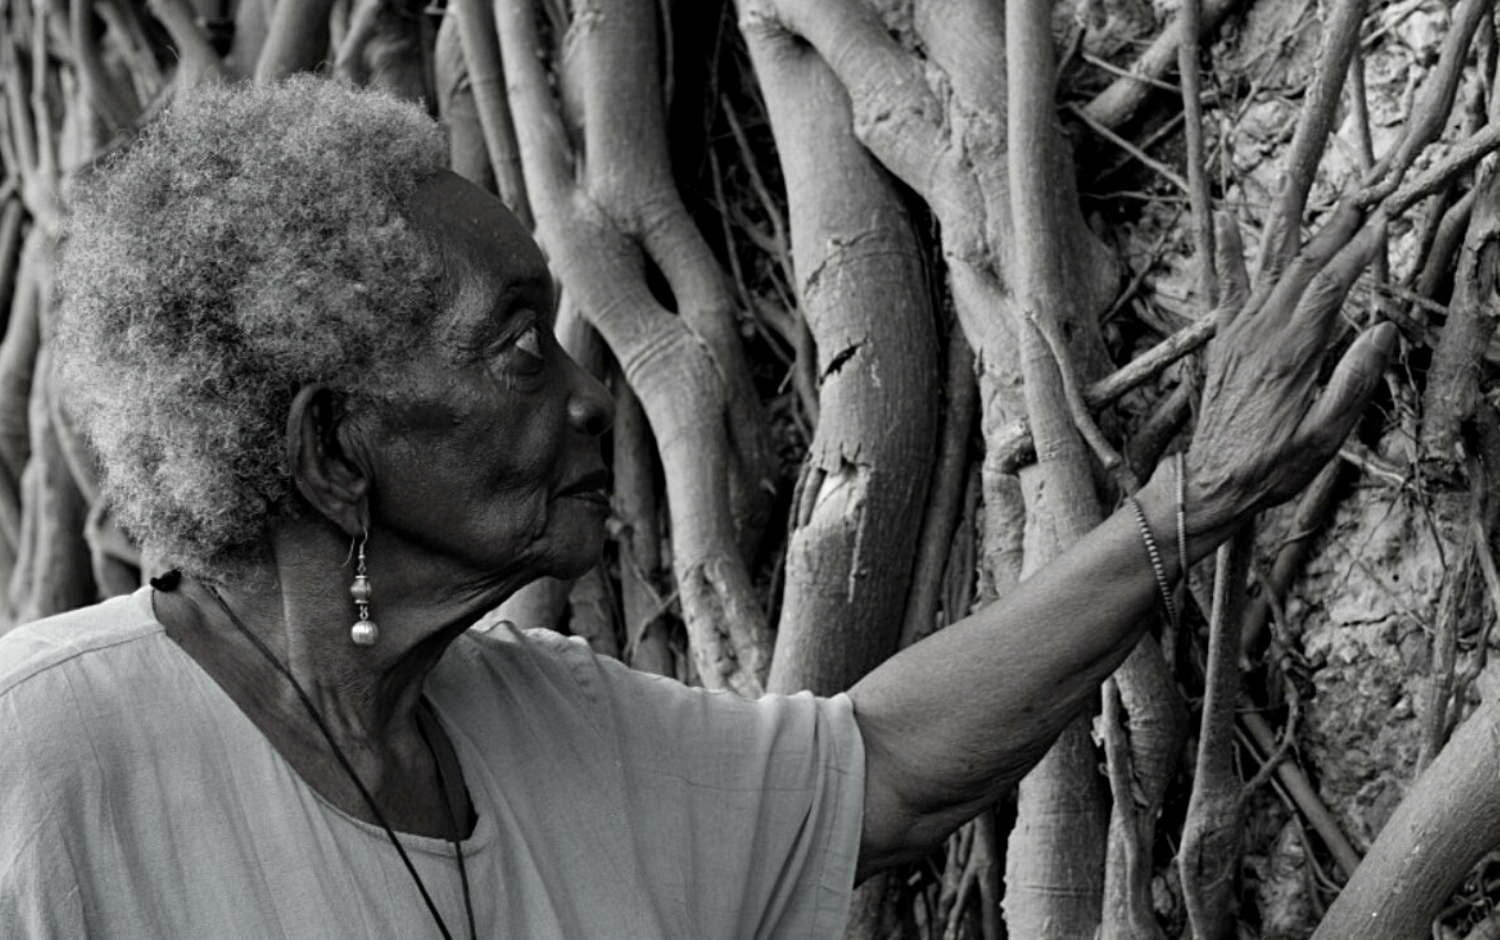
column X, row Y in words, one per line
column 364, row 632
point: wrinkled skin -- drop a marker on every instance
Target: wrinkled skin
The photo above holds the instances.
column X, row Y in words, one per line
column 484, row 473
column 1263, row 432
column 1036, row 660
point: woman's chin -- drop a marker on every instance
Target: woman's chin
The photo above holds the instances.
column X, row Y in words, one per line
column 580, row 553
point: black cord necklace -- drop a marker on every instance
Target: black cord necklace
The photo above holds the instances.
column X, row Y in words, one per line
column 168, row 583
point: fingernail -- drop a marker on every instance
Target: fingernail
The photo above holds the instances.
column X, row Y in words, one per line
column 1385, row 338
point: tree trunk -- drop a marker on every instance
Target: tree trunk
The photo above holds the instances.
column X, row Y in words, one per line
column 863, row 289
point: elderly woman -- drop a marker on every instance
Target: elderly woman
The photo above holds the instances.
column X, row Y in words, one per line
column 319, row 372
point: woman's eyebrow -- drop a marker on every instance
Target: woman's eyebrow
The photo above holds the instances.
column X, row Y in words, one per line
column 489, row 321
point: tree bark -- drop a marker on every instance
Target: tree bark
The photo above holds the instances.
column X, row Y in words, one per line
column 1448, row 821
column 598, row 234
column 1210, row 855
column 862, row 287
column 1453, row 384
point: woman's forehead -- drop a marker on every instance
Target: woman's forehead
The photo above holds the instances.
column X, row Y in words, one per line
column 491, row 263
column 472, row 225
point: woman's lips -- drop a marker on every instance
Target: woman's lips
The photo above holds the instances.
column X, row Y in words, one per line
column 593, row 488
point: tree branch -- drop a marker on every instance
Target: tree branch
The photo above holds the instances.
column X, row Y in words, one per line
column 481, row 48
column 297, row 40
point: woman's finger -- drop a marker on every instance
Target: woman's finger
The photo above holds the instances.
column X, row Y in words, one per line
column 1328, row 422
column 1229, row 258
column 1320, row 303
column 1330, row 239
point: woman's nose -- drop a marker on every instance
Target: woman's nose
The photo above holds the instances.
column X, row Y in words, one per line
column 591, row 408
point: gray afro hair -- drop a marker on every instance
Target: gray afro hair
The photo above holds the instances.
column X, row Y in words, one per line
column 251, row 241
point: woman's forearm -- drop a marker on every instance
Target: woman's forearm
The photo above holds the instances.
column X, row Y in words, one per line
column 976, row 705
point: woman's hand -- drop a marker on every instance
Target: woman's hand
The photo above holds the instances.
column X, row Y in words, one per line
column 1035, row 660
column 1263, row 432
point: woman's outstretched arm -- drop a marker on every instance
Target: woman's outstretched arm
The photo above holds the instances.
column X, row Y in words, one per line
column 952, row 718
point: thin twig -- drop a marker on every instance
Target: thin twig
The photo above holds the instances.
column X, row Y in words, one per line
column 1447, row 238
column 780, row 246
column 1014, row 446
column 1150, row 80
column 1360, row 106
column 732, row 256
column 1303, row 794
column 1167, row 129
column 1157, row 166
column 1373, row 464
column 1153, row 254
column 1314, row 124
column 1078, row 407
column 1151, row 440
column 1380, row 267
column 1117, row 103
column 1151, row 363
column 1189, row 24
column 1271, row 761
column 1459, row 160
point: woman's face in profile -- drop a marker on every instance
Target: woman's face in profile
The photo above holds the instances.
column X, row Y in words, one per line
column 494, row 469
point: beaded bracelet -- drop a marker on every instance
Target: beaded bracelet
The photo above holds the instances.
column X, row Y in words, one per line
column 1162, row 584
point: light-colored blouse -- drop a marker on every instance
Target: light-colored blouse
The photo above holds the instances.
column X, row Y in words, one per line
column 137, row 800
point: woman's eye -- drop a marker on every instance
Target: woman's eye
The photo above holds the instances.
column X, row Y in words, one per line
column 530, row 342
column 525, row 355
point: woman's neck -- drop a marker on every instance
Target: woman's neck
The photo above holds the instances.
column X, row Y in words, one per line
column 290, row 630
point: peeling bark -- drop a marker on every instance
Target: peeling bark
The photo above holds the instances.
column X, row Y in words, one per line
column 864, row 293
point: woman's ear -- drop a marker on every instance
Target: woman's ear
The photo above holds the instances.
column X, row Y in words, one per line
column 326, row 476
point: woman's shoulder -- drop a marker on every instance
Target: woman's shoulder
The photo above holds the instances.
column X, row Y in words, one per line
column 532, row 675
column 499, row 643
column 47, row 650
column 496, row 664
column 78, row 688
column 503, row 652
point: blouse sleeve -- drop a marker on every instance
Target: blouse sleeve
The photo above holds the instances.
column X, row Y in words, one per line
column 39, row 892
column 753, row 808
